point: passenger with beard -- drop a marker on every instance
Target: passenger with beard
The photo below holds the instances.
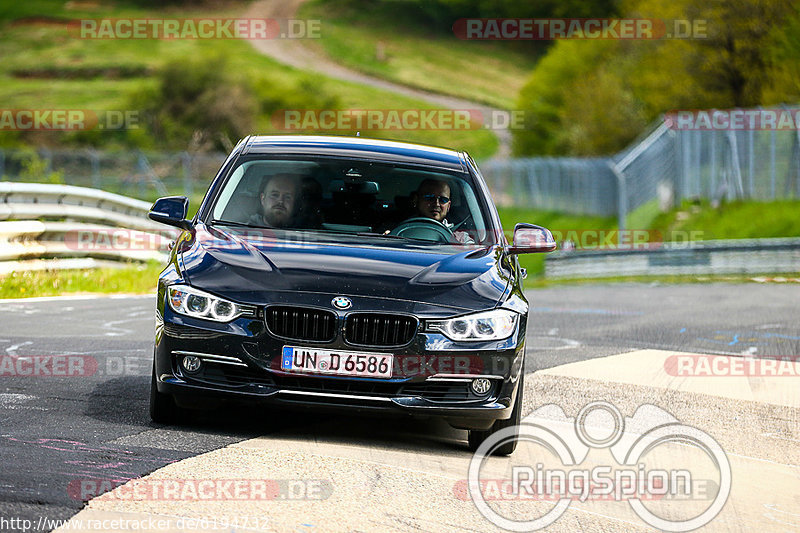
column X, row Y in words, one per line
column 278, row 200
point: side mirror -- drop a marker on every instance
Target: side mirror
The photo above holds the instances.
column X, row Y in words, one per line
column 529, row 239
column 172, row 211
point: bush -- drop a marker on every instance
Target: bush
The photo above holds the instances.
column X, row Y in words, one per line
column 198, row 101
column 202, row 105
column 783, row 73
column 35, row 169
column 549, row 92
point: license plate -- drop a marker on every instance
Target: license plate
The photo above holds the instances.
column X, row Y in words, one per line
column 314, row 361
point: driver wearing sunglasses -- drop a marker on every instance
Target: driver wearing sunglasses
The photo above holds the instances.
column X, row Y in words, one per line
column 432, row 200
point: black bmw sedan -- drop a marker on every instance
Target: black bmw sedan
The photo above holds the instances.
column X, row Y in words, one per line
column 345, row 273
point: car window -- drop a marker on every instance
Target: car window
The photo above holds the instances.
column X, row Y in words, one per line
column 345, row 197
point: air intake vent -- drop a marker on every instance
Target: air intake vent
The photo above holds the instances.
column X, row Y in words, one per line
column 338, row 385
column 375, row 329
column 301, row 323
column 445, row 391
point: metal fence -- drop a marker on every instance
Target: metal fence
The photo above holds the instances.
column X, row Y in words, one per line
column 665, row 167
column 569, row 185
column 143, row 175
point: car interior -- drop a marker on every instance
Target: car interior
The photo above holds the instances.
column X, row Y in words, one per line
column 342, row 195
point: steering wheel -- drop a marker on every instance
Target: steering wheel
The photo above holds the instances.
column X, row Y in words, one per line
column 423, row 228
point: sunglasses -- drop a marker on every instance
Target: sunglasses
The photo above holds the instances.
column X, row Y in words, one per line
column 444, row 200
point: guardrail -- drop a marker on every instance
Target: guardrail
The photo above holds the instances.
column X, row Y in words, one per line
column 750, row 256
column 45, row 226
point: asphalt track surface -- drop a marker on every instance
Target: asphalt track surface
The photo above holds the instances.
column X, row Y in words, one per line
column 56, row 431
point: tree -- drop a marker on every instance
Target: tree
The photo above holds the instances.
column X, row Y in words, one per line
column 585, row 97
column 198, row 101
column 733, row 61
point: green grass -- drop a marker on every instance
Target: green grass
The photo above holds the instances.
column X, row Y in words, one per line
column 26, row 46
column 643, row 216
column 133, row 279
column 483, row 71
column 559, row 223
column 736, row 220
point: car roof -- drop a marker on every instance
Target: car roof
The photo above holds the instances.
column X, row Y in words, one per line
column 356, row 147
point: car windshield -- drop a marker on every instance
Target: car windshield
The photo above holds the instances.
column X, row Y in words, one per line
column 341, row 199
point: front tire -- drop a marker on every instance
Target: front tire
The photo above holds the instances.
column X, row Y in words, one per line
column 476, row 436
column 162, row 406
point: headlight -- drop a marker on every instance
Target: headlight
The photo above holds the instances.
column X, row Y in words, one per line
column 486, row 326
column 189, row 301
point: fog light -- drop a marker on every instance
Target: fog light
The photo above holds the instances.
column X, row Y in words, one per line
column 481, row 386
column 191, row 363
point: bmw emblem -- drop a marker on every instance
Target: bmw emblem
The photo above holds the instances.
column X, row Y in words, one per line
column 341, row 302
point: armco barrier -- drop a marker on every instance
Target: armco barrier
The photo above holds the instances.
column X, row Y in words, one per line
column 74, row 227
column 752, row 256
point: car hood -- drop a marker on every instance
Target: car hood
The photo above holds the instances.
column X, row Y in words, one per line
column 253, row 270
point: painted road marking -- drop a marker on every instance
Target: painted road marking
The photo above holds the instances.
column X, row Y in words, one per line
column 386, row 486
column 647, row 367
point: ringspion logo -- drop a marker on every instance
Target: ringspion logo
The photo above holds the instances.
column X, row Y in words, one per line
column 649, row 462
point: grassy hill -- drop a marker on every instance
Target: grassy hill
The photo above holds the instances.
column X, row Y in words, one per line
column 386, row 41
column 45, row 66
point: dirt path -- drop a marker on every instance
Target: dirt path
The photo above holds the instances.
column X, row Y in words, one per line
column 294, row 53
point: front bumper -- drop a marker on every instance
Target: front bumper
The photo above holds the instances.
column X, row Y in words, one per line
column 241, row 362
